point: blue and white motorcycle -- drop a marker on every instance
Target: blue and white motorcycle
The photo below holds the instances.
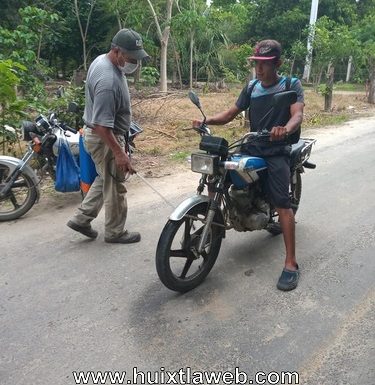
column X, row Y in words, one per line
column 191, row 239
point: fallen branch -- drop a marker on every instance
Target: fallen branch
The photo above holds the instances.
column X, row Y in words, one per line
column 164, row 133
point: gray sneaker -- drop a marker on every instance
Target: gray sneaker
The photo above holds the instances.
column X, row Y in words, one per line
column 126, row 237
column 88, row 231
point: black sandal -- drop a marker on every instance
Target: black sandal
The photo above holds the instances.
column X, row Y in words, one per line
column 288, row 279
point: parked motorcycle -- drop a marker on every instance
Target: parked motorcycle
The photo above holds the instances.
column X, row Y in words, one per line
column 19, row 183
column 191, row 239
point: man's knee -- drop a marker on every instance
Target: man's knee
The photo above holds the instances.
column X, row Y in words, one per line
column 283, row 211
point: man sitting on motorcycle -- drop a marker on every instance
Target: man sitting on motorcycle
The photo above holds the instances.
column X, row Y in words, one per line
column 284, row 127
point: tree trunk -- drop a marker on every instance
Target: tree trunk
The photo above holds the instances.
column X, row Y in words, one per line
column 191, row 58
column 84, row 54
column 163, row 66
column 118, row 18
column 319, row 78
column 84, row 32
column 292, row 66
column 329, row 89
column 39, row 46
column 371, row 90
column 178, row 61
column 163, row 37
column 137, row 74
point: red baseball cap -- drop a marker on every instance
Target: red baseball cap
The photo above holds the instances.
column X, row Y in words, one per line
column 266, row 50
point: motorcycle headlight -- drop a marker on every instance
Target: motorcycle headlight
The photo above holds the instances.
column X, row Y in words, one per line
column 42, row 124
column 204, row 164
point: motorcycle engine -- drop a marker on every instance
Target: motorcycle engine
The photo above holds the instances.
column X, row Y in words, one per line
column 249, row 210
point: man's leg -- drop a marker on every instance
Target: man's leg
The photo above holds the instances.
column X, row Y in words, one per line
column 91, row 205
column 93, row 201
column 278, row 191
column 288, row 227
column 114, row 196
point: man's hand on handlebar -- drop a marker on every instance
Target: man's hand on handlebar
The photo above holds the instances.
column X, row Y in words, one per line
column 278, row 133
column 197, row 123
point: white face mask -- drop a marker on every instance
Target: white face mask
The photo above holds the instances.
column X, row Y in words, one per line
column 128, row 68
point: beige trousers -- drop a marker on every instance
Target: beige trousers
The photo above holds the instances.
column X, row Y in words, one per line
column 108, row 189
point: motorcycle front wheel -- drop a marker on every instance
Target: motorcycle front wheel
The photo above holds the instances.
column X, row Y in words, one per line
column 20, row 198
column 178, row 263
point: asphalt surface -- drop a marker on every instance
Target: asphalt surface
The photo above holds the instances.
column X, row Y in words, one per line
column 69, row 304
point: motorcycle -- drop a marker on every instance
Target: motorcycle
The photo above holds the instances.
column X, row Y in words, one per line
column 19, row 183
column 191, row 239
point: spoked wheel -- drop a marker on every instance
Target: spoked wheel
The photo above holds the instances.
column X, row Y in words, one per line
column 21, row 196
column 179, row 264
column 295, row 196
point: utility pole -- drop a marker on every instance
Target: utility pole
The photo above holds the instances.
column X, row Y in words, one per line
column 349, row 69
column 310, row 39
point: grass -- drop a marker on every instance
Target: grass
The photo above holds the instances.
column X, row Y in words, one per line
column 354, row 87
column 321, row 120
column 179, row 156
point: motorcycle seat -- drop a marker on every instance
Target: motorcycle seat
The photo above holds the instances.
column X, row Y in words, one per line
column 296, row 151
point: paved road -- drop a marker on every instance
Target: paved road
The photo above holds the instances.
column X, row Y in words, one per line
column 68, row 304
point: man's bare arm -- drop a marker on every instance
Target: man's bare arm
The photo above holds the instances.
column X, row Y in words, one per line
column 296, row 112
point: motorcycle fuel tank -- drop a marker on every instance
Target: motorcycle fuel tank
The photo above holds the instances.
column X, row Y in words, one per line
column 247, row 172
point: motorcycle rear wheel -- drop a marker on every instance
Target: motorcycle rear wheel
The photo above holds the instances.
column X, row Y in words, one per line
column 179, row 265
column 20, row 198
column 295, row 198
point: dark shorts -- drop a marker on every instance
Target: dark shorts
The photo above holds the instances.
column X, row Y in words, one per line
column 276, row 180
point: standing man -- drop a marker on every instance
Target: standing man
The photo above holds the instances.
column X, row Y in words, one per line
column 284, row 128
column 107, row 118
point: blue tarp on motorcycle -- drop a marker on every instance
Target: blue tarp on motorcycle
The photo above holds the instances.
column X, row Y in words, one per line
column 87, row 167
column 67, row 170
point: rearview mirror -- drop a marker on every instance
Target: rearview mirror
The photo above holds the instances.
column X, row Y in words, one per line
column 73, row 107
column 194, row 98
column 284, row 99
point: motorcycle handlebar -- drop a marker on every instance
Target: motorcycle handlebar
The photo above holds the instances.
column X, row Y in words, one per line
column 260, row 134
column 203, row 129
column 65, row 127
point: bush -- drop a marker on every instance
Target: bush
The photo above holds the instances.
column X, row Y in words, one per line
column 150, row 76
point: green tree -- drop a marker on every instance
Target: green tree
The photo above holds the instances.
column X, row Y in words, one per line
column 284, row 21
column 83, row 28
column 328, row 53
column 188, row 23
column 11, row 108
column 24, row 44
column 365, row 33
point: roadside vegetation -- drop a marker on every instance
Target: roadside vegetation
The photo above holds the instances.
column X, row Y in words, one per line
column 46, row 47
column 167, row 121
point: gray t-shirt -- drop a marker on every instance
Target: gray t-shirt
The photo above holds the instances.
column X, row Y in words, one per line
column 107, row 96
